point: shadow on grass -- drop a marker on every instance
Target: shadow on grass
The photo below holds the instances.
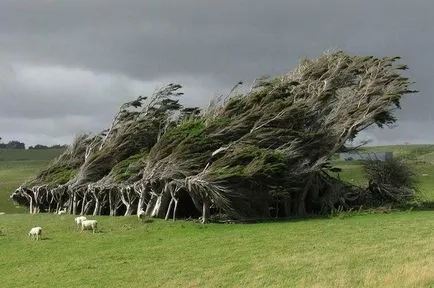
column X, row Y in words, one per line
column 270, row 220
column 146, row 221
column 42, row 239
column 424, row 206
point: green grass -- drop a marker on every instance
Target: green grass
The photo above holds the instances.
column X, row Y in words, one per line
column 351, row 250
column 28, row 155
column 421, row 158
column 376, row 250
column 17, row 166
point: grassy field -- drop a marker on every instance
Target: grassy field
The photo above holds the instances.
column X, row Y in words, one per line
column 16, row 166
column 421, row 158
column 28, row 155
column 376, row 250
column 350, row 250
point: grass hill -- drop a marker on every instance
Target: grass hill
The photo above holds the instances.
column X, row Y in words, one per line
column 421, row 158
column 16, row 166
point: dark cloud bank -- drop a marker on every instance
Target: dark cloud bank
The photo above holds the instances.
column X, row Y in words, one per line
column 66, row 66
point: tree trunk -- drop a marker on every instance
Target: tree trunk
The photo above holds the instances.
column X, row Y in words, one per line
column 58, row 206
column 111, row 203
column 150, row 205
column 142, row 200
column 31, row 205
column 205, row 211
column 97, row 207
column 157, row 206
column 129, row 210
column 87, row 207
column 302, row 199
column 74, row 202
column 168, row 209
column 84, row 203
column 174, row 209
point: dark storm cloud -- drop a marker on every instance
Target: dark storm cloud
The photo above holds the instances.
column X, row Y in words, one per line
column 110, row 45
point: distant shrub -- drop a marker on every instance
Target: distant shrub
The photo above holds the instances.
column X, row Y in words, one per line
column 392, row 181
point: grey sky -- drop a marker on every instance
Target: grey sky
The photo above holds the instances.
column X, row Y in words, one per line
column 59, row 60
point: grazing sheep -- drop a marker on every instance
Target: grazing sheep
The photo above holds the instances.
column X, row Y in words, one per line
column 89, row 224
column 2, row 213
column 141, row 215
column 79, row 219
column 35, row 233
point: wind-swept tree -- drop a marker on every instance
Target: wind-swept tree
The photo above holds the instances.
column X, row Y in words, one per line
column 263, row 153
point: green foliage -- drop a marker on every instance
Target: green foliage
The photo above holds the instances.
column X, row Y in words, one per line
column 259, row 164
column 58, row 174
column 128, row 168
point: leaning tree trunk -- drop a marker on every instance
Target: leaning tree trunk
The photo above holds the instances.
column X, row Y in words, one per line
column 97, row 201
column 205, row 211
column 103, row 203
column 85, row 201
column 141, row 190
column 151, row 204
column 156, row 205
column 88, row 206
column 74, row 201
column 128, row 197
column 173, row 200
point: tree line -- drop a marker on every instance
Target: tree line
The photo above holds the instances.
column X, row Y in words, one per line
column 15, row 144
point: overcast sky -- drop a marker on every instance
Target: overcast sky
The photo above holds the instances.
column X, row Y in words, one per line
column 67, row 65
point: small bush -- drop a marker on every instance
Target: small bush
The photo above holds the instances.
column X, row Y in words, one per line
column 392, row 181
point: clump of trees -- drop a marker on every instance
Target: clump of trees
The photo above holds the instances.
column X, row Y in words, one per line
column 260, row 154
column 12, row 145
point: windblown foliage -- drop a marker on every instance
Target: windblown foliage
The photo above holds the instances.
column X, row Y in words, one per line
column 263, row 153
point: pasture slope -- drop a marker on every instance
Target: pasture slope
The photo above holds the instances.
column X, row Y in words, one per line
column 350, row 250
column 16, row 166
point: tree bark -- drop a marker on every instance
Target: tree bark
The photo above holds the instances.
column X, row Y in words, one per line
column 168, row 209
column 97, row 207
column 84, row 202
column 205, row 211
column 174, row 209
column 302, row 199
column 74, row 202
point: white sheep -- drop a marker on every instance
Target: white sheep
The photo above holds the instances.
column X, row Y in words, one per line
column 2, row 213
column 35, row 233
column 89, row 224
column 141, row 214
column 79, row 219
